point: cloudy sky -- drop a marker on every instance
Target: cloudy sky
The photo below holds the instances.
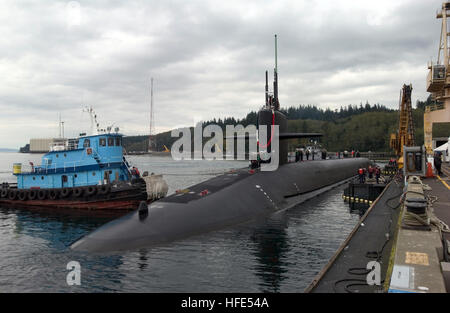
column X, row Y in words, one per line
column 207, row 59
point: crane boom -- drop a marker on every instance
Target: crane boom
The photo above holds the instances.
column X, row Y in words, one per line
column 405, row 134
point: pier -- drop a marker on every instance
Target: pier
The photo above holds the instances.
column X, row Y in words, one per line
column 405, row 231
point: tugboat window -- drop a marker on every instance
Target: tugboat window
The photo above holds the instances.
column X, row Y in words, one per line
column 110, row 141
column 102, row 142
column 117, row 141
column 64, row 179
column 93, row 173
column 87, row 143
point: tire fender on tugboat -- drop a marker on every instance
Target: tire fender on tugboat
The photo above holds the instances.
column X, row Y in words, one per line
column 53, row 194
column 42, row 194
column 103, row 189
column 65, row 192
column 90, row 190
column 78, row 192
column 12, row 194
column 23, row 195
column 32, row 194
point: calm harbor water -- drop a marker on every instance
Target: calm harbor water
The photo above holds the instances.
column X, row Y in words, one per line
column 281, row 253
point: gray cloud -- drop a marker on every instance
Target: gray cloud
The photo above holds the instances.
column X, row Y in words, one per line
column 207, row 58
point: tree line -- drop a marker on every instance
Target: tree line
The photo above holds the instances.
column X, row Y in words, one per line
column 364, row 127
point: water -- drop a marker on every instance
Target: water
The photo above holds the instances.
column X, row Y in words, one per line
column 282, row 253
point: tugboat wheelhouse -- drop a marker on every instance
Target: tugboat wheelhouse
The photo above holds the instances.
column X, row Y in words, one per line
column 89, row 160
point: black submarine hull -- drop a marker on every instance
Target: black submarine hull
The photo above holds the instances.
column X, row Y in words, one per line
column 235, row 197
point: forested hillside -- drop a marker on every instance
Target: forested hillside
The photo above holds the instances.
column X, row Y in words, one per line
column 364, row 127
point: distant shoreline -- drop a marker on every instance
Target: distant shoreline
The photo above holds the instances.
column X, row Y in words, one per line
column 8, row 150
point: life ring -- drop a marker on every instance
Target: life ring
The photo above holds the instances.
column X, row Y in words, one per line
column 89, row 150
column 77, row 192
column 4, row 193
column 12, row 194
column 90, row 190
column 32, row 194
column 42, row 194
column 23, row 195
column 53, row 194
column 103, row 189
column 65, row 192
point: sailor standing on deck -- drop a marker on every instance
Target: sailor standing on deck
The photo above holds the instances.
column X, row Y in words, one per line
column 361, row 175
column 135, row 173
column 377, row 174
column 370, row 170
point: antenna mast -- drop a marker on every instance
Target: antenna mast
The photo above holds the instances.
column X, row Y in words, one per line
column 152, row 126
column 275, row 78
column 94, row 124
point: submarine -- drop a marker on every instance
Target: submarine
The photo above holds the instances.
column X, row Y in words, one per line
column 235, row 197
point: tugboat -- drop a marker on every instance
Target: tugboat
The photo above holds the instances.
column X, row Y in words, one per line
column 89, row 172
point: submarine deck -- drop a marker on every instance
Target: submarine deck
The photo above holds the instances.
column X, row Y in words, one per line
column 212, row 185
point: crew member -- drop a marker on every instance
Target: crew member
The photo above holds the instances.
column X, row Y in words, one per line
column 307, row 154
column 135, row 172
column 437, row 163
column 361, row 175
column 254, row 164
column 377, row 174
column 370, row 170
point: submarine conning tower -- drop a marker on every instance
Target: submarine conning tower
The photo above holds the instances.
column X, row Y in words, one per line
column 270, row 115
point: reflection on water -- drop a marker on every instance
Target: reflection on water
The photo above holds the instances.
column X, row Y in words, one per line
column 271, row 246
column 281, row 253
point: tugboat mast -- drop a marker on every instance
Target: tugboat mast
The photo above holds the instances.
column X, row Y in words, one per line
column 94, row 123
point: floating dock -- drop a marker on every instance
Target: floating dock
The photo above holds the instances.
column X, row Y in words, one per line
column 409, row 258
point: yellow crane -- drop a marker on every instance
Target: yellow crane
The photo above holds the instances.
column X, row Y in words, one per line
column 405, row 134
